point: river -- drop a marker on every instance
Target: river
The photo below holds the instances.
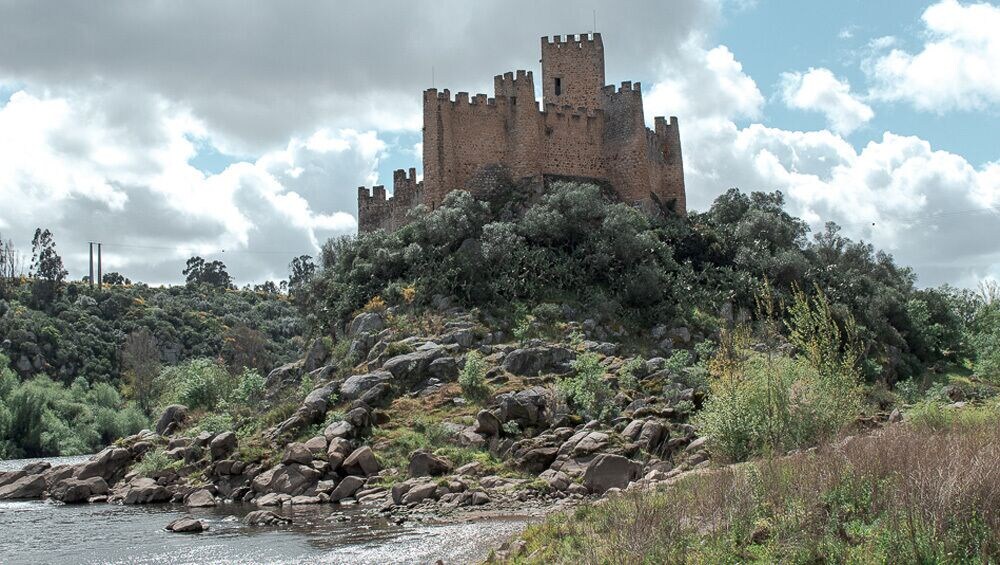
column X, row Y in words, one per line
column 48, row 532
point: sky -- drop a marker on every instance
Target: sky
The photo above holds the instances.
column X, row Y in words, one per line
column 240, row 130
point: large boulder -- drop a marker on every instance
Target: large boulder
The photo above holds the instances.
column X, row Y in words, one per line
column 532, row 361
column 28, row 486
column 411, row 368
column 222, row 445
column 584, row 442
column 426, row 464
column 74, row 490
column 173, row 416
column 297, row 453
column 361, row 462
column 538, row 459
column 200, row 498
column 287, row 374
column 265, row 518
column 487, row 424
column 141, row 490
column 367, row 322
column 608, row 471
column 185, row 525
column 529, row 408
column 356, row 386
column 292, row 479
column 109, row 464
column 347, row 487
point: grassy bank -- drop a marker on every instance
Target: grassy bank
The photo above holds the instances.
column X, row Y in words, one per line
column 927, row 491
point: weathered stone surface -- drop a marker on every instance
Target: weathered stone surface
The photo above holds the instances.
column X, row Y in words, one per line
column 297, row 453
column 265, row 518
column 286, row 374
column 531, row 361
column 529, row 408
column 200, row 499
column 557, row 480
column 316, row 445
column 186, row 525
column 222, row 445
column 610, row 471
column 418, row 492
column 142, row 490
column 444, row 368
column 292, row 479
column 584, row 443
column 412, row 368
column 347, row 487
column 487, row 423
column 109, row 464
column 377, row 396
column 357, row 385
column 28, row 486
column 174, row 415
column 538, row 459
column 73, row 490
column 425, row 464
column 339, row 429
column 367, row 322
column 361, row 462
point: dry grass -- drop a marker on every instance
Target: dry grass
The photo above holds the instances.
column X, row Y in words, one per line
column 906, row 494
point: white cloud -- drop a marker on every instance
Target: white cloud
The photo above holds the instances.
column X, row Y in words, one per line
column 69, row 167
column 819, row 90
column 958, row 66
column 897, row 192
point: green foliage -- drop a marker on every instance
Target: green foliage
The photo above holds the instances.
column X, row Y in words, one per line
column 627, row 376
column 587, row 390
column 211, row 274
column 249, row 388
column 197, row 384
column 40, row 417
column 472, row 379
column 154, row 462
column 769, row 402
column 215, row 423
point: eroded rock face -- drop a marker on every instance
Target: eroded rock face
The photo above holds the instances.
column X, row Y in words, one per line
column 172, row 417
column 72, row 490
column 532, row 361
column 529, row 408
column 265, row 518
column 361, row 462
column 608, row 471
column 28, row 486
column 426, row 464
column 354, row 387
column 186, row 525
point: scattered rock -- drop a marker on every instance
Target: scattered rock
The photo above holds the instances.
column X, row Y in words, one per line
column 487, row 423
column 357, row 385
column 425, row 464
column 29, row 486
column 186, row 525
column 297, row 453
column 265, row 518
column 200, row 499
column 72, row 490
column 347, row 487
column 610, row 471
column 532, row 361
column 172, row 417
column 222, row 445
column 368, row 322
column 361, row 462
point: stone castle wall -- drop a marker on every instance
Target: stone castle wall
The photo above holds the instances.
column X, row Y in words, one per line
column 587, row 130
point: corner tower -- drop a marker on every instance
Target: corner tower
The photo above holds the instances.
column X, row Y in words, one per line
column 573, row 70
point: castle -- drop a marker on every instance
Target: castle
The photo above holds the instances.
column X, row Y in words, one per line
column 586, row 130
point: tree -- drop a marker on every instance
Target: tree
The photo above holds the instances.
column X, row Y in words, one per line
column 116, row 279
column 11, row 266
column 212, row 273
column 140, row 358
column 46, row 267
column 245, row 348
column 301, row 269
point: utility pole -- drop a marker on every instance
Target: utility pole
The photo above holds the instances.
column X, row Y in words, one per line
column 91, row 263
column 99, row 275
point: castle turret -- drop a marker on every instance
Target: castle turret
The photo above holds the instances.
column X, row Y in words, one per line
column 573, row 70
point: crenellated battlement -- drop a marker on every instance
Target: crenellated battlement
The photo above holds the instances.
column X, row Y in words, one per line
column 582, row 129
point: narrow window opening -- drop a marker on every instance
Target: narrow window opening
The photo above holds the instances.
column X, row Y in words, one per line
column 558, row 86
column 513, row 100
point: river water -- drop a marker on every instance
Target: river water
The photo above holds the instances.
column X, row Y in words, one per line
column 47, row 532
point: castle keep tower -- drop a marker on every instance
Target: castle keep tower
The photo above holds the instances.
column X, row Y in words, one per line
column 584, row 130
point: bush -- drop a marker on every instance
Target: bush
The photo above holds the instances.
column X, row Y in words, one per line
column 587, row 390
column 627, row 378
column 472, row 379
column 197, row 384
column 155, row 462
column 249, row 388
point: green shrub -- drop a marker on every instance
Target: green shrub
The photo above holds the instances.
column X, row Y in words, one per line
column 197, row 384
column 214, row 423
column 627, row 379
column 587, row 390
column 249, row 388
column 472, row 379
column 154, row 462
